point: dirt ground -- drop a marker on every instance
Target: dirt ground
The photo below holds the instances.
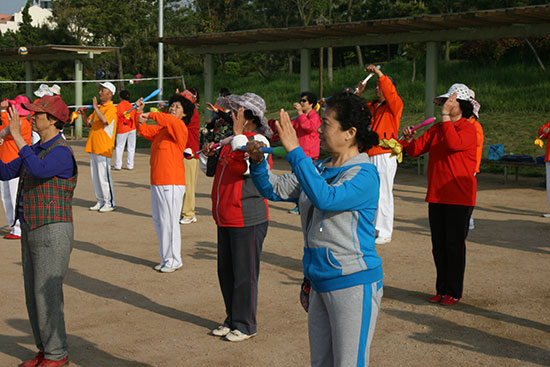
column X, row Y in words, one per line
column 121, row 313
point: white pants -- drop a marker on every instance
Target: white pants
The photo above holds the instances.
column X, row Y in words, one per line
column 121, row 140
column 383, row 222
column 101, row 179
column 8, row 190
column 548, row 180
column 166, row 202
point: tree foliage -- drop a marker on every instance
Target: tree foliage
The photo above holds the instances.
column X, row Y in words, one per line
column 131, row 24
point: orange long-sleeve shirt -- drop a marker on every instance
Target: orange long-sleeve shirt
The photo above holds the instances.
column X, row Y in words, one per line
column 9, row 150
column 480, row 139
column 547, row 137
column 169, row 139
column 386, row 117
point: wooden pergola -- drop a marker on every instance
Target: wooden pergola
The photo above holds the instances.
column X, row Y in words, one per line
column 56, row 53
column 519, row 22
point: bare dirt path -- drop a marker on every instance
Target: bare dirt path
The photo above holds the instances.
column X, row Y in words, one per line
column 121, row 313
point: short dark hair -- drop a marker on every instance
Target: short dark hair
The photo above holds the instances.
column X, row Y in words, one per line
column 466, row 107
column 59, row 125
column 224, row 92
column 249, row 115
column 188, row 106
column 195, row 92
column 311, row 98
column 352, row 111
column 125, row 95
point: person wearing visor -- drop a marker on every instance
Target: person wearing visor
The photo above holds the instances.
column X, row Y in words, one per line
column 100, row 145
column 48, row 174
column 452, row 186
column 8, row 152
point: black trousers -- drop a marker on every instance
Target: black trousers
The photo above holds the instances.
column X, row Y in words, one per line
column 449, row 227
column 239, row 250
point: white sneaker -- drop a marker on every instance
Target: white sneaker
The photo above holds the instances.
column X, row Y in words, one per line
column 188, row 221
column 221, row 330
column 96, row 207
column 158, row 267
column 382, row 240
column 167, row 269
column 237, row 336
column 546, row 215
column 106, row 208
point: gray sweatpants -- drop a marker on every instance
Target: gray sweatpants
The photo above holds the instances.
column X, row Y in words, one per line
column 341, row 325
column 45, row 253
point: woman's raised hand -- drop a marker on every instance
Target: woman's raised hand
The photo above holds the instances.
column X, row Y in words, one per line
column 238, row 121
column 287, row 134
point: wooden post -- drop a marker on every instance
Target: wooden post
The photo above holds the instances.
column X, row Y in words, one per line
column 305, row 70
column 208, row 81
column 431, row 86
column 321, row 51
column 28, row 78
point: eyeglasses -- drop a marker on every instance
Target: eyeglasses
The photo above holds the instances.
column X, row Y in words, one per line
column 303, row 100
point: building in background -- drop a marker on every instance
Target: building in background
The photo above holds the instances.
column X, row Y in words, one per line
column 44, row 4
column 39, row 12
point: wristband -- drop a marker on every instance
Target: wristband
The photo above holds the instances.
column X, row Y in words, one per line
column 445, row 114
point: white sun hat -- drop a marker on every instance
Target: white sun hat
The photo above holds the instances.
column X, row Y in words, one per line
column 55, row 89
column 43, row 90
column 461, row 90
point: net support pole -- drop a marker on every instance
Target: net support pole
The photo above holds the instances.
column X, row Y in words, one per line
column 78, row 95
column 161, row 49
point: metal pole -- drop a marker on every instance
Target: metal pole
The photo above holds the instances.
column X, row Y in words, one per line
column 161, row 48
column 28, row 77
column 78, row 95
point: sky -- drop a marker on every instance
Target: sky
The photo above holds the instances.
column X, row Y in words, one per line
column 11, row 6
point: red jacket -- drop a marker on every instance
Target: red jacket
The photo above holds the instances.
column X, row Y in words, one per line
column 547, row 137
column 235, row 200
column 452, row 162
column 306, row 130
column 386, row 117
column 124, row 124
column 193, row 132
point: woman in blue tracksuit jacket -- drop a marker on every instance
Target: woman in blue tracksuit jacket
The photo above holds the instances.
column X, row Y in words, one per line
column 338, row 198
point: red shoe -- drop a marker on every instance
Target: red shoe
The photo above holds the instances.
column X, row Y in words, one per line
column 436, row 299
column 50, row 363
column 10, row 236
column 449, row 301
column 33, row 362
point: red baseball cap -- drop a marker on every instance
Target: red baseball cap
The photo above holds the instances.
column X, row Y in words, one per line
column 52, row 105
